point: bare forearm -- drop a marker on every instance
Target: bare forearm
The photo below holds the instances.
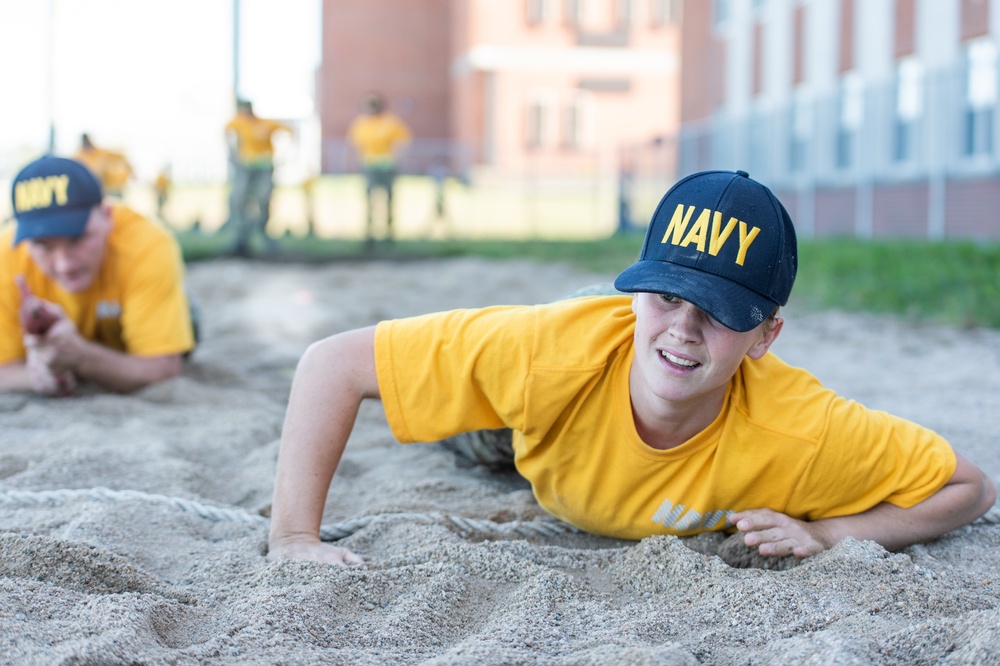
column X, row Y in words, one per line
column 332, row 379
column 312, row 442
column 15, row 377
column 121, row 372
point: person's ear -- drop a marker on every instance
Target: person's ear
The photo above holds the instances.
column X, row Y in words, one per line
column 635, row 302
column 768, row 334
column 103, row 217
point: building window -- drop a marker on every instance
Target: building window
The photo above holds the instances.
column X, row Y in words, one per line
column 850, row 115
column 573, row 12
column 801, row 130
column 536, row 122
column 761, row 145
column 664, row 12
column 623, row 13
column 980, row 97
column 909, row 109
column 720, row 12
column 577, row 122
column 536, row 11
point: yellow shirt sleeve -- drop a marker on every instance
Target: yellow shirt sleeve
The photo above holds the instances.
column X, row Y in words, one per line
column 434, row 365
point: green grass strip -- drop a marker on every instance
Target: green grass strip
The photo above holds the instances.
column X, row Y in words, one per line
column 941, row 282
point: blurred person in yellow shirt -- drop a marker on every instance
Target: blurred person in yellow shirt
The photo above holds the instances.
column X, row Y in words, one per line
column 378, row 136
column 90, row 290
column 251, row 152
column 161, row 186
column 110, row 167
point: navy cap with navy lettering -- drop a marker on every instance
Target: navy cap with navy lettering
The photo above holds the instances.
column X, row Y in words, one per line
column 53, row 196
column 722, row 241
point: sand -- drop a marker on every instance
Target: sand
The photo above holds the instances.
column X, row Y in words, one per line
column 132, row 528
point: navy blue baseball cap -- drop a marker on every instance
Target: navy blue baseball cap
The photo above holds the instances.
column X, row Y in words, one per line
column 53, row 196
column 722, row 241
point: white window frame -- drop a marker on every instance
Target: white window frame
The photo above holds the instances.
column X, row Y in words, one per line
column 664, row 12
column 538, row 120
column 575, row 12
column 536, row 12
column 577, row 126
column 624, row 13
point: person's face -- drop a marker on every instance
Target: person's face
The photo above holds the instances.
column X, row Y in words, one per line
column 683, row 354
column 74, row 262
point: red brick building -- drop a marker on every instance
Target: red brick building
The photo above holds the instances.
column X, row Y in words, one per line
column 507, row 88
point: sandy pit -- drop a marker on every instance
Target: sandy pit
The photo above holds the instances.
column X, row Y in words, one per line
column 132, row 528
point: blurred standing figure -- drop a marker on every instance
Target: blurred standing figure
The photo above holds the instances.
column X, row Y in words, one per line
column 162, row 186
column 309, row 190
column 377, row 136
column 110, row 167
column 251, row 152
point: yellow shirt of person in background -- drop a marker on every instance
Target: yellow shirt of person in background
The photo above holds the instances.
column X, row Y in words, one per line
column 376, row 137
column 254, row 138
column 110, row 167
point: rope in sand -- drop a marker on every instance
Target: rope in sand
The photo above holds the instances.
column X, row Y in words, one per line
column 219, row 514
column 332, row 532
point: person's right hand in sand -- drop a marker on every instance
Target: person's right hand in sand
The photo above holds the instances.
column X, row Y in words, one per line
column 312, row 551
column 663, row 412
column 47, row 357
column 966, row 496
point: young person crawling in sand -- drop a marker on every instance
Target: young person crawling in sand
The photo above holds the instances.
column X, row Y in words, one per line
column 662, row 412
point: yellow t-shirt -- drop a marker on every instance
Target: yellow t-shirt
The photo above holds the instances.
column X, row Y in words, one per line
column 162, row 183
column 137, row 303
column 558, row 375
column 110, row 167
column 376, row 138
column 254, row 138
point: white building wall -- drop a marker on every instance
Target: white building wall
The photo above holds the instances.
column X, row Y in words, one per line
column 739, row 63
column 937, row 32
column 778, row 56
column 825, row 147
column 874, row 31
column 822, row 42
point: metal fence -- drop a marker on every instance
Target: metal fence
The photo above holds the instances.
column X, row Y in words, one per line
column 597, row 194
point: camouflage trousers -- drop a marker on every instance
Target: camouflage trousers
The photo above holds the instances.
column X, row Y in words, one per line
column 494, row 448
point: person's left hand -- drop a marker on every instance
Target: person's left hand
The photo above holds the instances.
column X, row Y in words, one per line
column 775, row 534
column 43, row 379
